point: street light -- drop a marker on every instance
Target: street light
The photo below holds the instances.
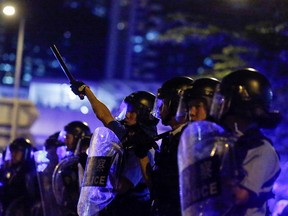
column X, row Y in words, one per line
column 10, row 10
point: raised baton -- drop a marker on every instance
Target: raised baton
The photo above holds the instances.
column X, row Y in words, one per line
column 62, row 63
column 63, row 66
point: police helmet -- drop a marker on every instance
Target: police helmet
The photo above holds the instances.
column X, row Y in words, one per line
column 24, row 145
column 52, row 141
column 77, row 129
column 174, row 86
column 142, row 103
column 202, row 88
column 171, row 91
column 248, row 93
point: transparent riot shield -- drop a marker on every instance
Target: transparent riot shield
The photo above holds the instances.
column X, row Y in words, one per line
column 101, row 172
column 207, row 169
column 21, row 194
column 65, row 183
column 45, row 164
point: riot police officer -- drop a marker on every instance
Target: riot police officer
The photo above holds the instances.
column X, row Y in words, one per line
column 51, row 144
column 165, row 183
column 244, row 110
column 76, row 136
column 196, row 101
column 132, row 194
column 19, row 180
column 46, row 160
column 221, row 170
column 201, row 143
column 67, row 175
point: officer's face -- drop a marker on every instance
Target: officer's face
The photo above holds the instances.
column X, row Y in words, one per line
column 164, row 111
column 197, row 110
column 69, row 141
column 17, row 156
column 131, row 115
column 131, row 118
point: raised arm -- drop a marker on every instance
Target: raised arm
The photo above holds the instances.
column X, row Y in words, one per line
column 100, row 109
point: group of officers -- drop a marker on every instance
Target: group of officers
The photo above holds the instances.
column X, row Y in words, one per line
column 214, row 161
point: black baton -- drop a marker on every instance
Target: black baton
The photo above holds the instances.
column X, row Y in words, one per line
column 62, row 63
column 63, row 66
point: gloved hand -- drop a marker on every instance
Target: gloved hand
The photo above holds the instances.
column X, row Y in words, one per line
column 78, row 88
column 142, row 144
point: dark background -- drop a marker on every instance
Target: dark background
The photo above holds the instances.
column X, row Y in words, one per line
column 150, row 41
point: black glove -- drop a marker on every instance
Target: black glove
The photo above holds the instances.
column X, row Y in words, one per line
column 78, row 88
column 142, row 144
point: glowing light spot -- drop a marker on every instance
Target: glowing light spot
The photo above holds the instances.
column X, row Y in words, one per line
column 152, row 35
column 84, row 109
column 208, row 62
column 27, row 77
column 9, row 10
column 67, row 34
column 121, row 26
column 138, row 39
column 138, row 48
column 6, row 67
column 8, row 80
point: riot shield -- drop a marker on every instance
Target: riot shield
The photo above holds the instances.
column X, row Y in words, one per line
column 207, row 169
column 65, row 185
column 21, row 195
column 101, row 172
column 46, row 162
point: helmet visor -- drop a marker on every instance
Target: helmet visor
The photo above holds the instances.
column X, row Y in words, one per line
column 7, row 156
column 182, row 109
column 62, row 152
column 123, row 109
column 219, row 106
column 62, row 136
column 158, row 104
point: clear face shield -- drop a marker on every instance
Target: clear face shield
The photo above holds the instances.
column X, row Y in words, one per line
column 62, row 136
column 120, row 115
column 222, row 104
column 8, row 155
column 123, row 109
column 62, row 151
column 219, row 105
column 182, row 110
column 193, row 109
column 158, row 104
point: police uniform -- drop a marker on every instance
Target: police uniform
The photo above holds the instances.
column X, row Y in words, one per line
column 19, row 182
column 136, row 201
column 245, row 99
column 141, row 103
column 165, row 176
column 253, row 150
